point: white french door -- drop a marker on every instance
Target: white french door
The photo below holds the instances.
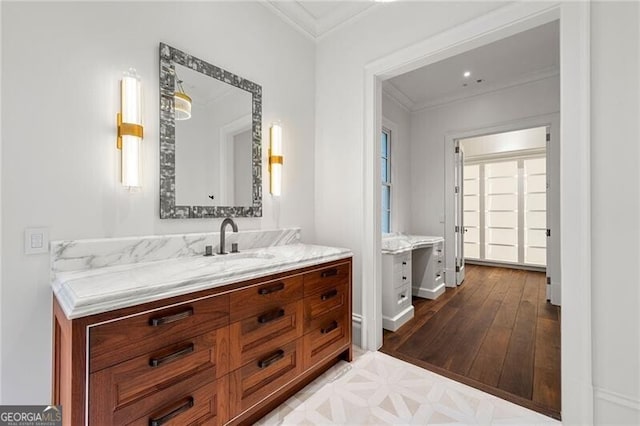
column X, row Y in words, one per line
column 505, row 210
column 459, row 216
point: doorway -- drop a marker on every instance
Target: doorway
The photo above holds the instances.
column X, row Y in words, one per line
column 577, row 389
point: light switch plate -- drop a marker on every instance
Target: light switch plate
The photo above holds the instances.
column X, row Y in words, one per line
column 36, row 240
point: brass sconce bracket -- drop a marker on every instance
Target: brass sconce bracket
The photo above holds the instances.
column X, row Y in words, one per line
column 127, row 129
column 275, row 159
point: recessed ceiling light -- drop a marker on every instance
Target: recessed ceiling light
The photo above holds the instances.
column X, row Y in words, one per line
column 467, row 74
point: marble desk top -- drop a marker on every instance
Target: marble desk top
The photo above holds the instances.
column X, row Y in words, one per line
column 399, row 243
column 93, row 291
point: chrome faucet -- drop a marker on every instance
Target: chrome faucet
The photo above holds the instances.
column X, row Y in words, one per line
column 234, row 246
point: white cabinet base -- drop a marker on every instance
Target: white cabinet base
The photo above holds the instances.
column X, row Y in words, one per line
column 393, row 324
column 429, row 293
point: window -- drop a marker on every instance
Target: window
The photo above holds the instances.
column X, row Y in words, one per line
column 505, row 210
column 535, row 211
column 385, row 171
column 471, row 214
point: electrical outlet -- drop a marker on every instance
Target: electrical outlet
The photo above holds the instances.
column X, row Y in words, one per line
column 36, row 240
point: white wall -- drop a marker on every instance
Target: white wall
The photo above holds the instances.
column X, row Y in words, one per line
column 615, row 209
column 340, row 62
column 61, row 66
column 397, row 119
column 1, row 216
column 432, row 128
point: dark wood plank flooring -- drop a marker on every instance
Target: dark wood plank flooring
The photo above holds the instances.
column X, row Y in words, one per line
column 495, row 332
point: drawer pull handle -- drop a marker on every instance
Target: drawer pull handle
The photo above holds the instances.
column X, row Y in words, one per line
column 404, row 263
column 328, row 295
column 156, row 362
column 329, row 328
column 170, row 415
column 404, row 278
column 271, row 289
column 270, row 316
column 155, row 322
column 329, row 273
column 276, row 356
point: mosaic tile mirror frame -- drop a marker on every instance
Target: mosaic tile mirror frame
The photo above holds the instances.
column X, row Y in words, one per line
column 169, row 57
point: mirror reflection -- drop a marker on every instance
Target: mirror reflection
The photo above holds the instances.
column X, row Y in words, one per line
column 213, row 141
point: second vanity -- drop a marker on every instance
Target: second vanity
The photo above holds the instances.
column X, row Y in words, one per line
column 196, row 340
column 411, row 265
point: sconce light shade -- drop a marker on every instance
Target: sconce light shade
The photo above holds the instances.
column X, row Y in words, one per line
column 182, row 106
column 276, row 160
column 181, row 101
column 130, row 130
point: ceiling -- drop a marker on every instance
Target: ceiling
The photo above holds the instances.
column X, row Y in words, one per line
column 527, row 56
column 316, row 18
column 203, row 89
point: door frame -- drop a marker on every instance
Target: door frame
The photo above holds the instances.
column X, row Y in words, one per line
column 551, row 121
column 576, row 374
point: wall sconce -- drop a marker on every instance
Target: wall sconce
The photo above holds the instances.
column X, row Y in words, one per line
column 276, row 159
column 130, row 130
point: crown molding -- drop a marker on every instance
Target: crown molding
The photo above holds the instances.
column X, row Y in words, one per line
column 403, row 101
column 296, row 15
column 304, row 26
column 489, row 88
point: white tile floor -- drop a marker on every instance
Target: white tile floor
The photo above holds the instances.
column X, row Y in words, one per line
column 376, row 389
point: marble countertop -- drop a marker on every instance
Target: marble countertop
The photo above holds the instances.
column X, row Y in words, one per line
column 93, row 291
column 399, row 243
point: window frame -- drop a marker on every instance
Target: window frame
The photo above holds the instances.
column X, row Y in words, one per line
column 388, row 182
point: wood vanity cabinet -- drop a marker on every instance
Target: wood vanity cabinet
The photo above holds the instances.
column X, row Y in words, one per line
column 228, row 355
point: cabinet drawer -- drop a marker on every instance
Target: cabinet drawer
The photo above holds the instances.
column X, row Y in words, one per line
column 264, row 332
column 328, row 334
column 195, row 400
column 255, row 300
column 403, row 298
column 255, row 381
column 437, row 280
column 118, row 341
column 138, row 378
column 402, row 269
column 318, row 281
column 335, row 297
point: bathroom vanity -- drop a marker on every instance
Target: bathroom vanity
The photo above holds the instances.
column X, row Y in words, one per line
column 411, row 265
column 197, row 340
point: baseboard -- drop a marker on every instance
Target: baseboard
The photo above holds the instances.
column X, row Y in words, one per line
column 427, row 293
column 506, row 265
column 356, row 329
column 615, row 408
column 394, row 323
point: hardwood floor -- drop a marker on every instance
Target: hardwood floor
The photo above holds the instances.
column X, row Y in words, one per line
column 495, row 332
